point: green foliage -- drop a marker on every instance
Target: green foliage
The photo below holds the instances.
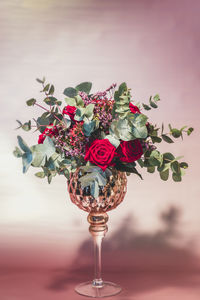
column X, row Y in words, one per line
column 84, row 87
column 26, row 126
column 88, row 127
column 125, row 126
column 31, row 102
column 130, row 168
column 70, row 92
column 93, row 177
column 190, row 130
column 167, row 139
column 50, row 100
column 114, row 141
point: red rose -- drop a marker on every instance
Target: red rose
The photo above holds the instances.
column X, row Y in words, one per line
column 47, row 132
column 101, row 153
column 129, row 151
column 134, row 109
column 70, row 111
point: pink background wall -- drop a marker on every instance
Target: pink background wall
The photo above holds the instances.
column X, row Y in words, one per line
column 152, row 247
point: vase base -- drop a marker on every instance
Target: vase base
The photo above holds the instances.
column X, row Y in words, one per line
column 106, row 290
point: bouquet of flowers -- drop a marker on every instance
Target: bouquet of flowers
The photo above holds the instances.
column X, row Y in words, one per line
column 96, row 133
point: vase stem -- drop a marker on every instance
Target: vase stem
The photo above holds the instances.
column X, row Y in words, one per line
column 97, row 260
column 98, row 229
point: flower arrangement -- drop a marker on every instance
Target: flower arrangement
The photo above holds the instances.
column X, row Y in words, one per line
column 97, row 132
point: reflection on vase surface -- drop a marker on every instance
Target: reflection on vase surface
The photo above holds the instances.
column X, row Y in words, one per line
column 110, row 196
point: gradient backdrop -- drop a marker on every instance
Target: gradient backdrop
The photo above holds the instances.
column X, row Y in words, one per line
column 152, row 248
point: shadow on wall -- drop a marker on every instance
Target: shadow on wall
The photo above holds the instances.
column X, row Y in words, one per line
column 138, row 261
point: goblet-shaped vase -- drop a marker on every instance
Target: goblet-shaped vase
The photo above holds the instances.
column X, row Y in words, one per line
column 110, row 196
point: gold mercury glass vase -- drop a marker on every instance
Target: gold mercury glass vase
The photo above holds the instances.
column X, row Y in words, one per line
column 110, row 196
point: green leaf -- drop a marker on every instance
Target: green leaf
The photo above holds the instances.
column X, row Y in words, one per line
column 58, row 102
column 79, row 101
column 184, row 165
column 23, row 145
column 167, row 138
column 94, row 189
column 130, row 167
column 176, row 177
column 156, row 139
column 70, row 92
column 156, row 98
column 156, row 158
column 17, row 152
column 116, row 96
column 66, row 173
column 70, row 101
column 40, row 174
column 164, row 175
column 88, row 127
column 40, row 80
column 190, row 130
column 123, row 130
column 175, row 167
column 162, row 129
column 46, row 88
column 152, row 104
column 31, row 102
column 140, row 162
column 146, row 107
column 49, row 177
column 27, row 126
column 80, row 111
column 140, row 132
column 175, row 133
column 151, row 169
column 114, row 141
column 50, row 100
column 27, row 158
column 122, row 88
column 84, row 87
column 168, row 157
column 20, row 124
column 89, row 111
column 41, row 152
column 51, row 90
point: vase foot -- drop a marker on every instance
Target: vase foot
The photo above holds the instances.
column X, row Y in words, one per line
column 106, row 290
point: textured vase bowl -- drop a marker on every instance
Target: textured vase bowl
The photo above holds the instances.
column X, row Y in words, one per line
column 110, row 196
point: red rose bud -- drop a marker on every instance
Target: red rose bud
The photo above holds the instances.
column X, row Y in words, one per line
column 101, row 153
column 70, row 111
column 134, row 109
column 129, row 151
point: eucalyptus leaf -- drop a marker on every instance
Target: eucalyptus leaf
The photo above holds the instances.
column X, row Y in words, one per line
column 122, row 88
column 84, row 87
column 70, row 92
column 176, row 177
column 167, row 139
column 88, row 127
column 50, row 100
column 146, row 107
column 164, row 175
column 40, row 174
column 31, row 102
column 89, row 110
column 17, row 152
column 70, row 101
column 22, row 144
column 26, row 161
column 113, row 140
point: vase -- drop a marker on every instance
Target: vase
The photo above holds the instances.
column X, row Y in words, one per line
column 110, row 196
